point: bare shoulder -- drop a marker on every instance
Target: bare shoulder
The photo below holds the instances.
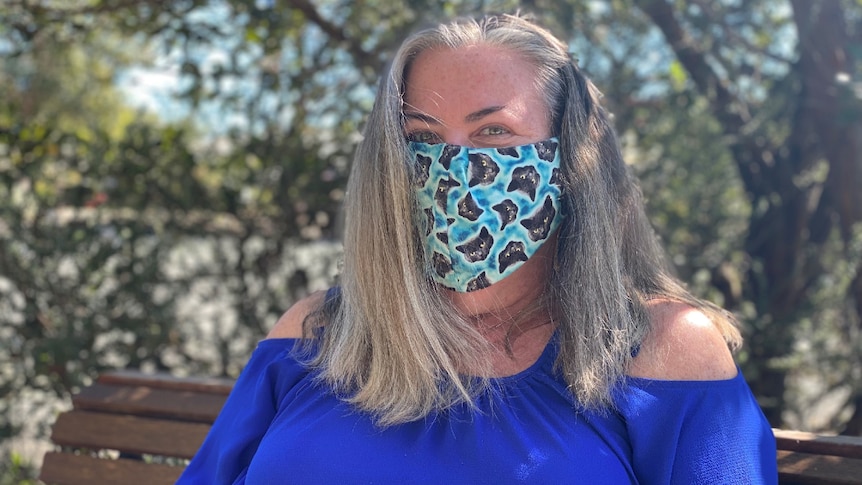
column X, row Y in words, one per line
column 684, row 344
column 290, row 324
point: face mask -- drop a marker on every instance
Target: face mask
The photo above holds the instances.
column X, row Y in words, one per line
column 485, row 211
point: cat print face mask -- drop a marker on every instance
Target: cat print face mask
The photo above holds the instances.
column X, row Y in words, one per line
column 485, row 211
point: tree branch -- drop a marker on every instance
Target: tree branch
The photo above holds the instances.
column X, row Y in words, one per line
column 363, row 58
column 694, row 61
column 753, row 169
column 733, row 35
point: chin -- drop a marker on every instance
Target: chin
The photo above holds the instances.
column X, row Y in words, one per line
column 475, row 302
column 524, row 285
column 478, row 302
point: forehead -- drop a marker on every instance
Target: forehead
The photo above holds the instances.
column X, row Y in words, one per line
column 471, row 77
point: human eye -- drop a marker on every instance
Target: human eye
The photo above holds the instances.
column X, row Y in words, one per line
column 494, row 130
column 423, row 137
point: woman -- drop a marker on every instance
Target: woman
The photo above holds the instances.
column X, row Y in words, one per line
column 505, row 315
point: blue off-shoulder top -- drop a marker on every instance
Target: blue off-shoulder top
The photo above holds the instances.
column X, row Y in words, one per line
column 280, row 425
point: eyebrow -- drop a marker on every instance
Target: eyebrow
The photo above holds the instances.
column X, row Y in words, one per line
column 415, row 115
column 475, row 116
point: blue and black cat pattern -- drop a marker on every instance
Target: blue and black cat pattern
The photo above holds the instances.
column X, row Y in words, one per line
column 485, row 210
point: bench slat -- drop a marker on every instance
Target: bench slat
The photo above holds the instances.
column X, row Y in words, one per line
column 150, row 401
column 847, row 446
column 130, row 434
column 69, row 469
column 214, row 385
column 804, row 468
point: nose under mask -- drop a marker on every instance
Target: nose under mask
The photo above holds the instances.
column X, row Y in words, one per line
column 484, row 211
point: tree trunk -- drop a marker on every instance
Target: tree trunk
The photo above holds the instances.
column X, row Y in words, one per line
column 789, row 220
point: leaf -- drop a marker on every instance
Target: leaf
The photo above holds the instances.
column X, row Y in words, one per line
column 678, row 75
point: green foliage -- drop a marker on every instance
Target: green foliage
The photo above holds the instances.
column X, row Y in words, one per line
column 14, row 470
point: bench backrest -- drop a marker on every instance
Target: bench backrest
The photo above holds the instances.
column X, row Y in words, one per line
column 818, row 459
column 131, row 428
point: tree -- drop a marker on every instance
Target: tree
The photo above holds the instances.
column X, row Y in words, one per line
column 796, row 151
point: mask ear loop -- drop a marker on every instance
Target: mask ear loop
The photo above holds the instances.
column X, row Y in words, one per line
column 556, row 255
column 565, row 214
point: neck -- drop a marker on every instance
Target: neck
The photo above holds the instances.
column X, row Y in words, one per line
column 514, row 314
column 515, row 347
column 517, row 336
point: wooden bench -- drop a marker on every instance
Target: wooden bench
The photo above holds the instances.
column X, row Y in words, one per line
column 807, row 458
column 130, row 428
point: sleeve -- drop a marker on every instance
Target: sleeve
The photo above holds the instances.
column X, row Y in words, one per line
column 705, row 432
column 248, row 411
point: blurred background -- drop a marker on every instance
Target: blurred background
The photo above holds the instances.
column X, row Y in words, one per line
column 171, row 174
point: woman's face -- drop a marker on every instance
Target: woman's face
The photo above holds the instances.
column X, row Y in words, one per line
column 481, row 97
column 474, row 96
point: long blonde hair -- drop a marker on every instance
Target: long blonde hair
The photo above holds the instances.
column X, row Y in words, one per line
column 395, row 347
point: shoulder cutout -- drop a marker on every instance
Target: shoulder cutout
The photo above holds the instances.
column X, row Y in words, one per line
column 290, row 324
column 684, row 344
